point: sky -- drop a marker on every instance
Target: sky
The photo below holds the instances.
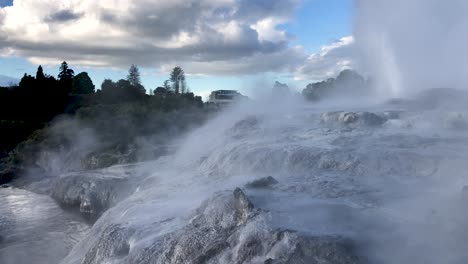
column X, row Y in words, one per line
column 244, row 45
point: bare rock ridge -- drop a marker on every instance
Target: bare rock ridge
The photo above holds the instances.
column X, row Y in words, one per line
column 226, row 228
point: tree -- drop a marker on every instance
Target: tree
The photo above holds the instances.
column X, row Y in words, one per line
column 107, row 85
column 134, row 80
column 27, row 81
column 65, row 78
column 65, row 72
column 82, row 84
column 177, row 78
column 109, row 93
column 183, row 86
column 40, row 74
column 123, row 84
column 134, row 76
column 166, row 85
column 160, row 91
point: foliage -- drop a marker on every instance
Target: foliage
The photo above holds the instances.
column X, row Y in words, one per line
column 134, row 76
column 40, row 73
column 119, row 92
column 65, row 72
column 82, row 84
column 28, row 106
column 120, row 112
column 348, row 83
column 65, row 78
column 178, row 80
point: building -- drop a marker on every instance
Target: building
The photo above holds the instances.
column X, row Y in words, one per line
column 225, row 96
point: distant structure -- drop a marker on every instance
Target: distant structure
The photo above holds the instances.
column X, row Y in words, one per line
column 225, row 96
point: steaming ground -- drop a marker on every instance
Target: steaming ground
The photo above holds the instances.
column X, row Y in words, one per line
column 376, row 184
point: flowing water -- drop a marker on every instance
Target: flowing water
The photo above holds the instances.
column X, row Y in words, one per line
column 389, row 178
column 34, row 229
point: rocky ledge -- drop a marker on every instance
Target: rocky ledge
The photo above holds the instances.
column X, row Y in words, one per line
column 226, row 228
column 90, row 193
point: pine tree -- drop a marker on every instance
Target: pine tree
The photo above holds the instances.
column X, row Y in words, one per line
column 177, row 78
column 134, row 76
column 65, row 72
column 65, row 78
column 40, row 73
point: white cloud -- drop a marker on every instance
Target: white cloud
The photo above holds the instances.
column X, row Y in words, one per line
column 267, row 30
column 205, row 37
column 238, row 35
column 328, row 62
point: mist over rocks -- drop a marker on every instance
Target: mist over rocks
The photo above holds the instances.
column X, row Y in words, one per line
column 74, row 144
column 280, row 91
column 226, row 228
column 241, row 128
column 266, row 182
column 91, row 193
column 316, row 177
column 329, row 182
column 348, row 84
column 366, row 165
column 441, row 98
column 353, row 118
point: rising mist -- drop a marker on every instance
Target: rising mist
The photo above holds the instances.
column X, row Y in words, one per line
column 276, row 179
column 408, row 46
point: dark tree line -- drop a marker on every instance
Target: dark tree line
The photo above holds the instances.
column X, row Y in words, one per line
column 42, row 97
column 34, row 102
column 173, row 94
column 38, row 99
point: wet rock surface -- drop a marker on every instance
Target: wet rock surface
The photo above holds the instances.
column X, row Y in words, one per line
column 266, row 182
column 244, row 127
column 353, row 118
column 224, row 229
column 340, row 184
column 33, row 229
column 90, row 194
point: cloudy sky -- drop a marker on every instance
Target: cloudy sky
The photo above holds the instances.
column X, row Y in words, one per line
column 233, row 44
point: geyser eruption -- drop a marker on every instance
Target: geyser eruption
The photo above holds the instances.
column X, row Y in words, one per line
column 408, row 46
